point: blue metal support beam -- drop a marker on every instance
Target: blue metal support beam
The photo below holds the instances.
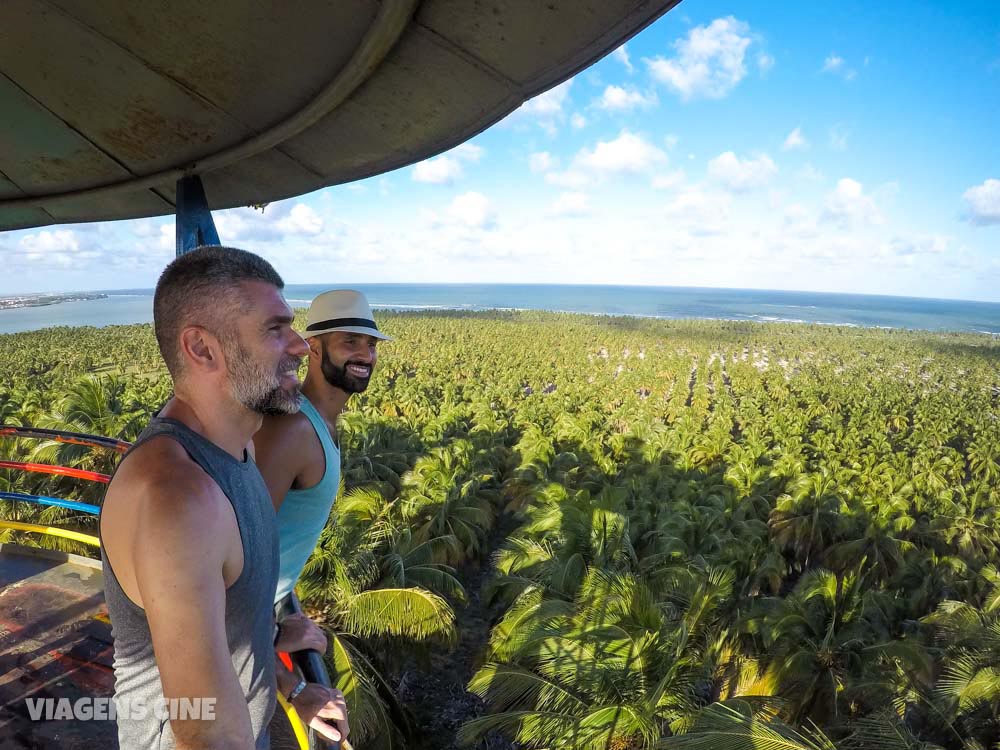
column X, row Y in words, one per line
column 194, row 219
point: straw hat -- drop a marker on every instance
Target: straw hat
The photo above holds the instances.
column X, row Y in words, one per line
column 342, row 310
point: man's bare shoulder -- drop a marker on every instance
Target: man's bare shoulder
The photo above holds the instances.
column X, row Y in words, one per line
column 161, row 462
column 286, row 440
column 160, row 479
column 160, row 502
column 284, row 427
column 285, row 446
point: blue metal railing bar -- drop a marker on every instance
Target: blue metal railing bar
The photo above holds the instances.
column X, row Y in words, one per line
column 53, row 501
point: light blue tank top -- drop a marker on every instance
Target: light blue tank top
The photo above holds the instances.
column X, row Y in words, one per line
column 303, row 514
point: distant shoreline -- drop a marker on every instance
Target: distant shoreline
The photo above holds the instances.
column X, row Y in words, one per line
column 44, row 300
column 126, row 307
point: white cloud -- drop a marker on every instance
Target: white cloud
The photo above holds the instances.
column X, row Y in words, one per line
column 710, row 61
column 542, row 161
column 473, row 210
column 848, row 205
column 621, row 55
column 668, row 181
column 799, row 221
column 468, row 152
column 618, row 99
column 571, row 204
column 927, row 244
column 145, row 228
column 704, row 212
column 578, row 121
column 670, row 140
column 302, row 219
column 795, row 141
column 833, row 63
column 573, row 179
column 838, row 137
column 274, row 223
column 741, row 175
column 168, row 236
column 549, row 103
column 983, row 203
column 837, row 65
column 447, row 168
column 548, row 109
column 437, row 171
column 626, row 153
column 764, row 62
column 811, row 174
column 50, row 241
column 54, row 249
column 700, row 213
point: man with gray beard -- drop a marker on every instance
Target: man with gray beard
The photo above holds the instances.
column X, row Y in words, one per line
column 188, row 535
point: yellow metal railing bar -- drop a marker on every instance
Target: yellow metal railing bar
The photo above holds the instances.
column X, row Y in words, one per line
column 76, row 536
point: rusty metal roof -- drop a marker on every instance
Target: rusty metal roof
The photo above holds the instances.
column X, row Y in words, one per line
column 105, row 104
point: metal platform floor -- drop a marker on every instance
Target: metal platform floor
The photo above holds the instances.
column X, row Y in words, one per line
column 55, row 642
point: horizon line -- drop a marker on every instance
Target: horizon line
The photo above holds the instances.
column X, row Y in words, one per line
column 343, row 285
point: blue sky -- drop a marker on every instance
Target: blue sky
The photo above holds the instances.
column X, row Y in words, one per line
column 829, row 146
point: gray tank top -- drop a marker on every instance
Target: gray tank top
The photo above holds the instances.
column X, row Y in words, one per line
column 249, row 603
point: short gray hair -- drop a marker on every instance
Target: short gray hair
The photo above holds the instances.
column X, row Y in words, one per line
column 198, row 289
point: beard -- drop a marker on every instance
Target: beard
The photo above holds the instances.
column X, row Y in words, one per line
column 340, row 378
column 257, row 388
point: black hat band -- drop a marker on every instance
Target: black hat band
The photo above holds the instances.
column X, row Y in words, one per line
column 340, row 322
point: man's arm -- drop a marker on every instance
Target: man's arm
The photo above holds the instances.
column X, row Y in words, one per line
column 279, row 452
column 179, row 568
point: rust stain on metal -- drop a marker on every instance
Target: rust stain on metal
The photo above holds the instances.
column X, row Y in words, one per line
column 147, row 133
column 52, row 169
column 78, row 167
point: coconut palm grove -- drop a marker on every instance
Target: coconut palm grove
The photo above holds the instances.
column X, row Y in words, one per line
column 566, row 532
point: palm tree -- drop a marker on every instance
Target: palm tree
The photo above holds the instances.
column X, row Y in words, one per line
column 807, row 519
column 445, row 495
column 736, row 725
column 876, row 544
column 352, row 585
column 968, row 690
column 829, row 649
column 604, row 671
column 96, row 406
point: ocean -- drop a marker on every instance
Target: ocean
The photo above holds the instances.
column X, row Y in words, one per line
column 135, row 305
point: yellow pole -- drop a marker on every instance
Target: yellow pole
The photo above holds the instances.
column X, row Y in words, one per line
column 76, row 536
column 293, row 718
column 299, row 728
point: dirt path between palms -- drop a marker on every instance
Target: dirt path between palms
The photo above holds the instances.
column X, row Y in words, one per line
column 437, row 696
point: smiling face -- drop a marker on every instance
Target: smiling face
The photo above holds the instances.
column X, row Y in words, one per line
column 348, row 359
column 263, row 357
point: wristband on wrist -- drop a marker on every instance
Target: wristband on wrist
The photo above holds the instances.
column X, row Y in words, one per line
column 297, row 690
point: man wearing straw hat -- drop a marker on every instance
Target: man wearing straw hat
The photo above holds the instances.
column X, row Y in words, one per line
column 298, row 454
